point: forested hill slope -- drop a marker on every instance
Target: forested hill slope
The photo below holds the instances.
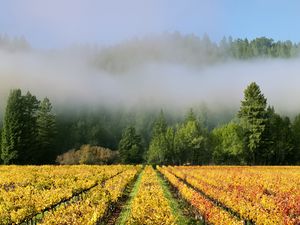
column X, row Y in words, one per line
column 171, row 48
column 189, row 50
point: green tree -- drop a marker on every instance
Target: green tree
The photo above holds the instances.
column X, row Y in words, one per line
column 170, row 157
column 159, row 145
column 28, row 129
column 228, row 144
column 0, row 144
column 46, row 132
column 130, row 147
column 279, row 139
column 253, row 118
column 11, row 141
column 295, row 156
column 190, row 142
column 262, row 46
column 29, row 137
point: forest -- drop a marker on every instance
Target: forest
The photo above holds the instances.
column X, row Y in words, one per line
column 35, row 132
column 257, row 135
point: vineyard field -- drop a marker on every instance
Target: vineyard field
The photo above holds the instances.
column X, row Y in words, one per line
column 128, row 194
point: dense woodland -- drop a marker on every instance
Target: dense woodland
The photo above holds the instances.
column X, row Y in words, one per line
column 34, row 133
column 257, row 135
column 169, row 47
column 189, row 50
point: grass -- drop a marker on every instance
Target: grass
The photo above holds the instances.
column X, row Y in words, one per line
column 126, row 210
column 177, row 205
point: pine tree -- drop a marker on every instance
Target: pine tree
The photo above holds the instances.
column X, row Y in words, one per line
column 190, row 142
column 29, row 137
column 253, row 118
column 170, row 157
column 279, row 139
column 46, row 132
column 0, row 144
column 130, row 147
column 159, row 146
column 11, row 142
column 27, row 129
column 295, row 157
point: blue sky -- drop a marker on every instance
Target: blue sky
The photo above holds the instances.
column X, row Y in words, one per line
column 59, row 23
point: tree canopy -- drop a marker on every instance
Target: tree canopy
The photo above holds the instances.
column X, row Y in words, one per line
column 27, row 126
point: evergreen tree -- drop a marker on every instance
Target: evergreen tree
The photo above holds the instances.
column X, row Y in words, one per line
column 159, row 146
column 29, row 137
column 46, row 132
column 28, row 129
column 170, row 157
column 278, row 136
column 0, row 144
column 295, row 155
column 228, row 144
column 190, row 142
column 253, row 120
column 11, row 141
column 130, row 147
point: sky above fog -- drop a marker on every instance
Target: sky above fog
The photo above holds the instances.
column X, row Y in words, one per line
column 59, row 23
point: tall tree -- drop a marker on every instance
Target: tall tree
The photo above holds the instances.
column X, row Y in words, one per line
column 46, row 132
column 228, row 144
column 29, row 136
column 11, row 142
column 190, row 142
column 28, row 129
column 159, row 146
column 0, row 143
column 295, row 156
column 279, row 139
column 170, row 157
column 130, row 146
column 253, row 120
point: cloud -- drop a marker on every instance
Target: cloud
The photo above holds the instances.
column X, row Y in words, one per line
column 70, row 77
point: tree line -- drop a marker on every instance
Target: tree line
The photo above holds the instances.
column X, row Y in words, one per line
column 256, row 136
column 171, row 48
column 190, row 50
column 32, row 134
column 259, row 47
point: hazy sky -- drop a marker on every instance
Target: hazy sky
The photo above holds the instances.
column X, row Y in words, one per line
column 58, row 23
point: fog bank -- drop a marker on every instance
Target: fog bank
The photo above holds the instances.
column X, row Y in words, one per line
column 75, row 77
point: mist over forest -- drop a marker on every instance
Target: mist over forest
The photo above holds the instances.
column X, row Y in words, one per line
column 165, row 71
column 98, row 91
